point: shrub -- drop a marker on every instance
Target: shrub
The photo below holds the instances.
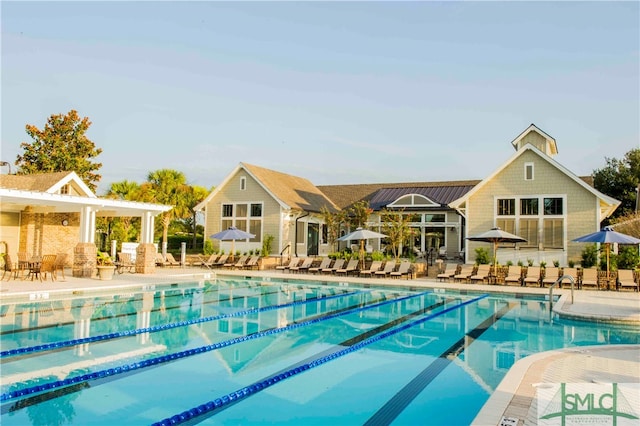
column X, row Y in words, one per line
column 628, row 257
column 267, row 242
column 543, row 264
column 589, row 256
column 571, row 263
column 482, row 256
column 529, row 262
column 208, row 247
column 556, row 263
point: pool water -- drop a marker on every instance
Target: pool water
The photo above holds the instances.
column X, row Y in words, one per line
column 260, row 351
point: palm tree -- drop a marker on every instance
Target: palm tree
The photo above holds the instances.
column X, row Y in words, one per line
column 168, row 187
column 128, row 191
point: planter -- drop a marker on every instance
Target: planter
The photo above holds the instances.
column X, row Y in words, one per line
column 105, row 273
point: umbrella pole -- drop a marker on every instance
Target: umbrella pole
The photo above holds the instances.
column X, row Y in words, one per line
column 607, row 249
column 361, row 254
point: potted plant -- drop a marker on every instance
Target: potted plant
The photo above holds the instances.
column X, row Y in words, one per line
column 105, row 266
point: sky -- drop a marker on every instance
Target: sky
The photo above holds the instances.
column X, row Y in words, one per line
column 335, row 92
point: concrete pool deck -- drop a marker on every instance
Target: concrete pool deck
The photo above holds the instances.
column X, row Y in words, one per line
column 512, row 403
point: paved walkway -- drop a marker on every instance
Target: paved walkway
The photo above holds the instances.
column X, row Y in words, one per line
column 513, row 402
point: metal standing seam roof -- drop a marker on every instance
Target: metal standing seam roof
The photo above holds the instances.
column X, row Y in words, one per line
column 383, row 194
column 441, row 195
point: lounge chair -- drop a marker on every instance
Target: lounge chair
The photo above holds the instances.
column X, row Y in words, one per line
column 292, row 262
column 325, row 263
column 238, row 263
column 219, row 263
column 466, row 271
column 338, row 264
column 302, row 267
column 253, row 262
column 589, row 277
column 351, row 268
column 160, row 260
column 389, row 266
column 573, row 272
column 450, row 270
column 124, row 263
column 551, row 275
column 482, row 274
column 627, row 278
column 375, row 266
column 205, row 262
column 513, row 275
column 403, row 269
column 171, row 261
column 533, row 276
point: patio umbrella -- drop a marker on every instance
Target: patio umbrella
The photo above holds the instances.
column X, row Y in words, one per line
column 496, row 236
column 607, row 236
column 232, row 234
column 362, row 235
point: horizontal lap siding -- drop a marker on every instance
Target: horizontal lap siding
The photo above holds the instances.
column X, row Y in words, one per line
column 581, row 205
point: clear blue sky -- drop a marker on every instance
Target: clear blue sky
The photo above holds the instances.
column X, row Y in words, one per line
column 336, row 92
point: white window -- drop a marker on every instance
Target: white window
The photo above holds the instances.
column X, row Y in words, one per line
column 528, row 171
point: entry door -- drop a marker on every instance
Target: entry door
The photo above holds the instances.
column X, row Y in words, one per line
column 312, row 239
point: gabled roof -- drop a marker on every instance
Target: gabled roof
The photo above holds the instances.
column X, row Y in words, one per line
column 291, row 192
column 551, row 142
column 607, row 203
column 382, row 194
column 45, row 182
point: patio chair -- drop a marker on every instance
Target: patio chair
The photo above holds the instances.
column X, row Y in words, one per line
column 573, row 272
column 205, row 262
column 375, row 266
column 589, row 277
column 253, row 262
column 551, row 275
column 292, row 262
column 302, row 267
column 449, row 271
column 533, row 275
column 219, row 263
column 337, row 264
column 238, row 263
column 351, row 268
column 466, row 271
column 46, row 266
column 60, row 264
column 403, row 269
column 627, row 278
column 482, row 274
column 389, row 266
column 11, row 268
column 171, row 261
column 513, row 275
column 124, row 263
column 160, row 260
column 325, row 263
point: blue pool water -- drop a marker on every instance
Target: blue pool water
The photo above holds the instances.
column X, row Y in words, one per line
column 248, row 351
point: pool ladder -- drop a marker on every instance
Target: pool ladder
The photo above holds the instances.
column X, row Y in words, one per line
column 570, row 277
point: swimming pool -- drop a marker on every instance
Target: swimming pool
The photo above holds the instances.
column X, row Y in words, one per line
column 258, row 351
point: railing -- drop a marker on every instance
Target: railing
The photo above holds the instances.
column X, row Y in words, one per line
column 288, row 249
column 559, row 280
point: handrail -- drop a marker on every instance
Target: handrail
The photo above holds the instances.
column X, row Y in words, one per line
column 286, row 248
column 554, row 284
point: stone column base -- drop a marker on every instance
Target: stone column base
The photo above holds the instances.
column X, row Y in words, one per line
column 146, row 259
column 84, row 260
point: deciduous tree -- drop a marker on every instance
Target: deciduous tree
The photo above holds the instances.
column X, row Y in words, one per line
column 619, row 179
column 61, row 146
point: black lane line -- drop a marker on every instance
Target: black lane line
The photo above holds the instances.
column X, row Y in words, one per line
column 336, row 348
column 36, row 399
column 392, row 409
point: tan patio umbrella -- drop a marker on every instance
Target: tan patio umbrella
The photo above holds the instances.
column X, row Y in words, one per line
column 496, row 236
column 362, row 235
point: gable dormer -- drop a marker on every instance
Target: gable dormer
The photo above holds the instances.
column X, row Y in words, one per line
column 536, row 137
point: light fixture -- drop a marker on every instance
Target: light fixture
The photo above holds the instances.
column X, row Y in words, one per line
column 453, row 229
column 65, row 222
